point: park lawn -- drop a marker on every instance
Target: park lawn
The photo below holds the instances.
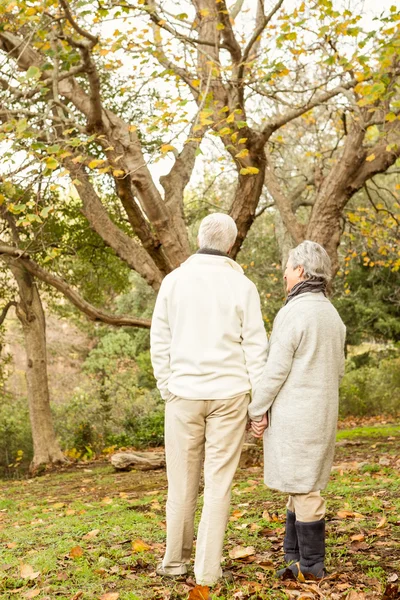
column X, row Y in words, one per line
column 89, row 532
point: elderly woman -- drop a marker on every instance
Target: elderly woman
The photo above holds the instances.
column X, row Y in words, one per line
column 295, row 405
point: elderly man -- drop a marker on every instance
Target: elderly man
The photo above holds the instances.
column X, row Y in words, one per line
column 208, row 349
column 300, row 390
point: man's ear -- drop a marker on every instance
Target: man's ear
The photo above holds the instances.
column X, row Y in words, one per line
column 229, row 251
column 301, row 271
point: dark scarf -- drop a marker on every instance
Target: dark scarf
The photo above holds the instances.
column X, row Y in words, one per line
column 309, row 285
column 212, row 251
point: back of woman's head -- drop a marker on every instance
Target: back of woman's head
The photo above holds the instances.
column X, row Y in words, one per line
column 313, row 258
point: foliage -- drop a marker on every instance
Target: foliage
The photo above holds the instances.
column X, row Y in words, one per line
column 371, row 384
column 15, row 436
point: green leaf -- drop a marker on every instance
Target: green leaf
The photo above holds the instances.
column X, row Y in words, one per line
column 33, row 72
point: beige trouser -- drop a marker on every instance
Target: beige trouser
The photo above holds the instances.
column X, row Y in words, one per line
column 197, row 430
column 308, row 507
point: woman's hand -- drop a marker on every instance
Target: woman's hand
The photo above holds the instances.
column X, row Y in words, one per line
column 258, row 427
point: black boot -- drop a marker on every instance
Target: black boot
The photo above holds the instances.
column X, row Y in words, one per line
column 290, row 542
column 311, row 538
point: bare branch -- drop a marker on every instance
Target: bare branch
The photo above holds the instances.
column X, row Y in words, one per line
column 94, row 313
column 228, row 36
column 256, row 33
column 92, row 38
column 5, row 310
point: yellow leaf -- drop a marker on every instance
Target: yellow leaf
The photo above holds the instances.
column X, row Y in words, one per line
column 249, row 171
column 204, row 12
column 96, row 163
column 76, row 552
column 230, row 118
column 118, row 173
column 242, row 552
column 390, row 117
column 110, row 596
column 220, row 26
column 225, row 131
column 242, row 141
column 195, row 83
column 51, row 163
column 242, row 154
column 139, row 546
column 132, row 128
column 358, row 537
column 167, row 148
column 381, row 523
column 370, row 158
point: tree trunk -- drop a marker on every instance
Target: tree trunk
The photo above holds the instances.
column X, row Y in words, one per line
column 46, row 450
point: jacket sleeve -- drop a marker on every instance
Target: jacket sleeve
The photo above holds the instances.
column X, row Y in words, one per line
column 160, row 343
column 282, row 348
column 254, row 337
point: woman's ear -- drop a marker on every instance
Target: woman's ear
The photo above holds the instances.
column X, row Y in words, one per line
column 301, row 271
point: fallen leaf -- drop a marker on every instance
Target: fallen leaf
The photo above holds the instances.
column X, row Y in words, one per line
column 242, row 552
column 110, row 596
column 345, row 514
column 358, row 537
column 391, row 592
column 236, row 515
column 200, row 592
column 353, row 595
column 382, row 523
column 12, row 545
column 393, row 577
column 77, row 595
column 91, row 534
column 59, row 505
column 76, row 552
column 266, row 516
column 70, row 512
column 27, row 572
column 140, row 546
column 31, row 593
column 106, row 501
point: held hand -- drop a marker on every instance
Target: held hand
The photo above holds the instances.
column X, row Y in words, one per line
column 258, row 427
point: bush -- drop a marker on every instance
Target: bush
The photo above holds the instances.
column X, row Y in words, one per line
column 16, row 450
column 87, row 425
column 371, row 389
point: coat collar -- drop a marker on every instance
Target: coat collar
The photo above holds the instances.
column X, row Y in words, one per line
column 212, row 260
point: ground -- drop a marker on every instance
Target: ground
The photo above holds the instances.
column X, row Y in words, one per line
column 91, row 533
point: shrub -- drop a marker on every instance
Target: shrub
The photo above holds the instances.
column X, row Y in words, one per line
column 371, row 389
column 16, row 448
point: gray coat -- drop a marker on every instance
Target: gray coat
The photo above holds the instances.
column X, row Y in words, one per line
column 300, row 389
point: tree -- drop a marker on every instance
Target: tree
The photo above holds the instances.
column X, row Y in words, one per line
column 211, row 72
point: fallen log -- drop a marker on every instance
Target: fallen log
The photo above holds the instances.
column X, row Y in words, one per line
column 123, row 461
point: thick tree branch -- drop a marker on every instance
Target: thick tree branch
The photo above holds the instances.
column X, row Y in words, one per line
column 283, row 203
column 5, row 310
column 260, row 26
column 124, row 246
column 292, row 114
column 229, row 40
column 94, row 313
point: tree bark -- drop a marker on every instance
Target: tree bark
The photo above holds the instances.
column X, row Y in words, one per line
column 46, row 450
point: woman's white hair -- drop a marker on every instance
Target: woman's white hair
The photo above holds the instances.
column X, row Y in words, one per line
column 217, row 232
column 313, row 258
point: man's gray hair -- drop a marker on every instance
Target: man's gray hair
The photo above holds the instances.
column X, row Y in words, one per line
column 217, row 232
column 313, row 258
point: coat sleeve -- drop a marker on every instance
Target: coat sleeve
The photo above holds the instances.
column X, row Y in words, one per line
column 283, row 344
column 160, row 342
column 254, row 337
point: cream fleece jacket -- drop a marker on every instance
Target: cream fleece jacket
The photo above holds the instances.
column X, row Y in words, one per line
column 207, row 335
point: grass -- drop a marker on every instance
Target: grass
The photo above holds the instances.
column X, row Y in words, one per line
column 90, row 531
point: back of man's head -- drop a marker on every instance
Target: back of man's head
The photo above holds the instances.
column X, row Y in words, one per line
column 217, row 232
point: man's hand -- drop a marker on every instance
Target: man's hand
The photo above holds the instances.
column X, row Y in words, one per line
column 258, row 427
